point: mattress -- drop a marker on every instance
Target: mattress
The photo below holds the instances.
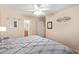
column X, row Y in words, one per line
column 33, row 45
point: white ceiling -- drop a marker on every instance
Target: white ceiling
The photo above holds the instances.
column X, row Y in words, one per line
column 53, row 8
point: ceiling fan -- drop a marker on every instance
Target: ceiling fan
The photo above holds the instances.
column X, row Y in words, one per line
column 37, row 10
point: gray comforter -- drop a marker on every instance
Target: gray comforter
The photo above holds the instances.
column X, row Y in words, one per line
column 33, row 45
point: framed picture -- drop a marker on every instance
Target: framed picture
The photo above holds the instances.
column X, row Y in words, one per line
column 14, row 23
column 49, row 25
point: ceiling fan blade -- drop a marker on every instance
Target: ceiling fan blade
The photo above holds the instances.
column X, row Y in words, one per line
column 36, row 6
column 29, row 10
column 45, row 9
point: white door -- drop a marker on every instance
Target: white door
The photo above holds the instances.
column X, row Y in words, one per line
column 40, row 28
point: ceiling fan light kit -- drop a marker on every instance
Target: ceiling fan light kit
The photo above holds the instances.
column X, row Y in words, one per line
column 39, row 13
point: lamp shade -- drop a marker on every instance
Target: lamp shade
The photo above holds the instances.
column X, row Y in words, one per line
column 2, row 29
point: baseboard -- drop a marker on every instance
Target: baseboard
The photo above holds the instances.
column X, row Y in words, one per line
column 75, row 51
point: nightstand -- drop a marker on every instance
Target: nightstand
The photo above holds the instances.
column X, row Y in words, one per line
column 3, row 38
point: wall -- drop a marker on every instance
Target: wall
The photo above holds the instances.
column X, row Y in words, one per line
column 7, row 15
column 65, row 32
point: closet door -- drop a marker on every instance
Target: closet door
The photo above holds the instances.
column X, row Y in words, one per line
column 41, row 28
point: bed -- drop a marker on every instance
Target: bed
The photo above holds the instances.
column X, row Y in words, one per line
column 33, row 45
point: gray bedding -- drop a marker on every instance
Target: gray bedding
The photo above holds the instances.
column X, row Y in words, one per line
column 33, row 45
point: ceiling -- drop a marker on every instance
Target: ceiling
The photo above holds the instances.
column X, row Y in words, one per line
column 21, row 8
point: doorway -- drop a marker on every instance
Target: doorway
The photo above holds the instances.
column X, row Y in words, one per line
column 27, row 27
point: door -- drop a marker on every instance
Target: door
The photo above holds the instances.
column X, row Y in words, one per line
column 41, row 28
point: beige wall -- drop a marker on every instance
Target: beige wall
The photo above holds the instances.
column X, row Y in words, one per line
column 7, row 15
column 65, row 32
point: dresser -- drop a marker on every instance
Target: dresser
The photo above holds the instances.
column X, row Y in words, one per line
column 25, row 33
